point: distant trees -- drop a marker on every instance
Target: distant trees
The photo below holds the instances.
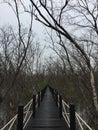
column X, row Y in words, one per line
column 82, row 14
column 74, row 40
column 19, row 63
column 18, row 53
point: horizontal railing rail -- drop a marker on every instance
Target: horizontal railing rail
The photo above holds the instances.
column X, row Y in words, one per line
column 12, row 124
column 9, row 125
column 82, row 125
column 28, row 111
column 65, row 110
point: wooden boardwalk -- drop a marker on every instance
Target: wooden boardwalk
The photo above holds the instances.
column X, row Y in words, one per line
column 47, row 116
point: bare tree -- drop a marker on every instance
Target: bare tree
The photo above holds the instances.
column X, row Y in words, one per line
column 15, row 52
column 54, row 21
column 53, row 14
column 53, row 18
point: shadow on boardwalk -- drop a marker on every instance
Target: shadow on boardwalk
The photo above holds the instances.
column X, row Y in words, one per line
column 47, row 116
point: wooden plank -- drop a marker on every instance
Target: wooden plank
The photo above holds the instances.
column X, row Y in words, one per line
column 47, row 116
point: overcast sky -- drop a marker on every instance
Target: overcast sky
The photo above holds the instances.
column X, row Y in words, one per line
column 7, row 17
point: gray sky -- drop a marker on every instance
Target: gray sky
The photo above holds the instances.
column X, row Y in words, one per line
column 7, row 17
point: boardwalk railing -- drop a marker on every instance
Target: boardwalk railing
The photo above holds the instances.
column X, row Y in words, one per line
column 12, row 124
column 81, row 124
column 68, row 112
column 28, row 110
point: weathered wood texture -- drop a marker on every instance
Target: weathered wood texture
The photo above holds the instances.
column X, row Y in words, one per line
column 47, row 116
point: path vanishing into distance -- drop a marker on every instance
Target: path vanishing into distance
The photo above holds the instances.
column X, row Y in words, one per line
column 47, row 115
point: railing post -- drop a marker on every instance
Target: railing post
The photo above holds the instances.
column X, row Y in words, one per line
column 41, row 95
column 34, row 105
column 56, row 96
column 38, row 99
column 20, row 118
column 72, row 117
column 60, row 106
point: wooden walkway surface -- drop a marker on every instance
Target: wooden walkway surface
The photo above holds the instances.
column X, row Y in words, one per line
column 47, row 116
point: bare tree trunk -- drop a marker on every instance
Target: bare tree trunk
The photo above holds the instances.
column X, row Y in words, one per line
column 95, row 99
column 61, row 30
